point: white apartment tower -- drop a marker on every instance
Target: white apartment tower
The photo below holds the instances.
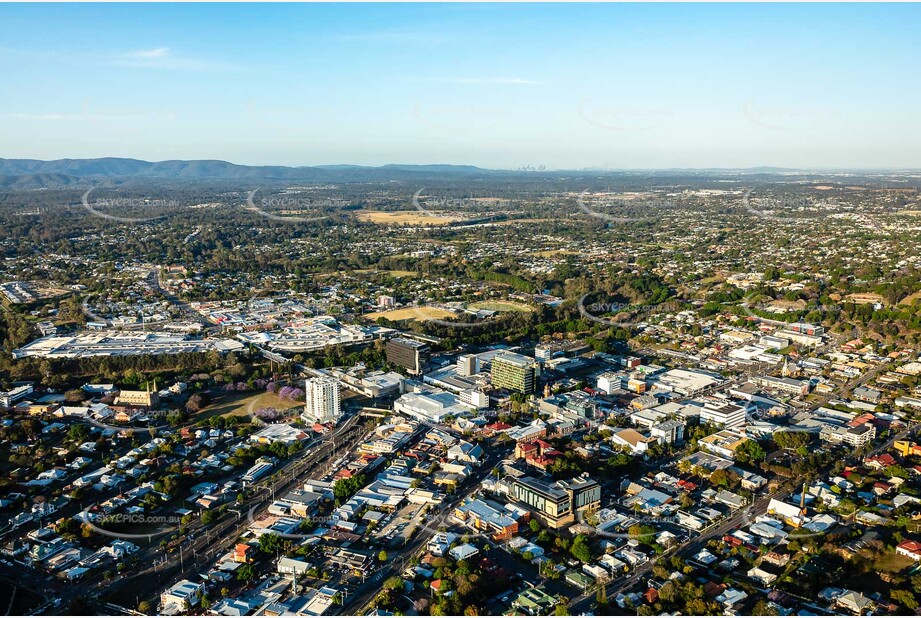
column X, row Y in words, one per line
column 321, row 400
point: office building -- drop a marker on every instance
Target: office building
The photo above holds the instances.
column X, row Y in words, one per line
column 8, row 398
column 556, row 504
column 411, row 355
column 716, row 411
column 514, row 372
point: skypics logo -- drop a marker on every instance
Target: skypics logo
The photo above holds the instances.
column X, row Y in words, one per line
column 480, row 207
column 621, row 203
column 624, row 118
column 130, row 526
column 637, row 527
column 434, row 313
column 783, row 118
column 804, row 208
column 771, row 527
column 755, row 301
column 291, row 208
column 125, row 203
column 461, row 118
column 426, row 211
column 623, row 315
column 128, row 429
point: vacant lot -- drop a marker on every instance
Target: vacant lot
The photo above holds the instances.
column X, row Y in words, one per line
column 500, row 305
column 891, row 562
column 908, row 300
column 243, row 404
column 404, row 217
column 420, row 314
column 864, row 298
column 392, row 273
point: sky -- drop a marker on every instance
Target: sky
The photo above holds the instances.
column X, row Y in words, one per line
column 616, row 86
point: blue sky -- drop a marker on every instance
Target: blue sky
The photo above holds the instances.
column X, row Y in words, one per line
column 495, row 85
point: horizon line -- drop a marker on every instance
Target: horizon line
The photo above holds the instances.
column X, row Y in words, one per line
column 526, row 168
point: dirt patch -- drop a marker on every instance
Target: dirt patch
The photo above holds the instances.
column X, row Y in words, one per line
column 420, row 314
column 404, row 217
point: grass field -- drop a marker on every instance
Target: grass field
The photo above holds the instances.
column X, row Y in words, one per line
column 392, row 273
column 908, row 300
column 501, row 305
column 420, row 314
column 864, row 298
column 404, row 217
column 243, row 404
column 892, row 563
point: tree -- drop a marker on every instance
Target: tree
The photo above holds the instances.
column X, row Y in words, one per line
column 904, row 598
column 763, row 608
column 668, row 592
column 78, row 432
column 601, row 596
column 580, row 549
column 270, row 543
column 144, row 607
column 382, row 556
column 344, row 488
column 791, row 439
column 74, row 395
column 534, row 525
column 750, row 451
column 246, row 573
column 642, row 533
column 197, row 402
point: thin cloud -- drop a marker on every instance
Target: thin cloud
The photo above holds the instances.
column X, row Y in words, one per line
column 164, row 58
column 400, row 37
column 159, row 52
column 91, row 117
column 512, row 81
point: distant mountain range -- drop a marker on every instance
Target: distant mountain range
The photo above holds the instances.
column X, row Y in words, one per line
column 31, row 173
column 36, row 174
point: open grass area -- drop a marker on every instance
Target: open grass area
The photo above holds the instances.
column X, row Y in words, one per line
column 908, row 300
column 244, row 404
column 501, row 305
column 392, row 273
column 891, row 562
column 404, row 217
column 419, row 314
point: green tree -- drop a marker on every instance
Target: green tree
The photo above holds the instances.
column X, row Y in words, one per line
column 904, row 598
column 580, row 549
column 270, row 543
column 246, row 573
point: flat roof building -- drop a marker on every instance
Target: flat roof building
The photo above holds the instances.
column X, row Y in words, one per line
column 412, row 355
column 321, row 400
column 514, row 372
